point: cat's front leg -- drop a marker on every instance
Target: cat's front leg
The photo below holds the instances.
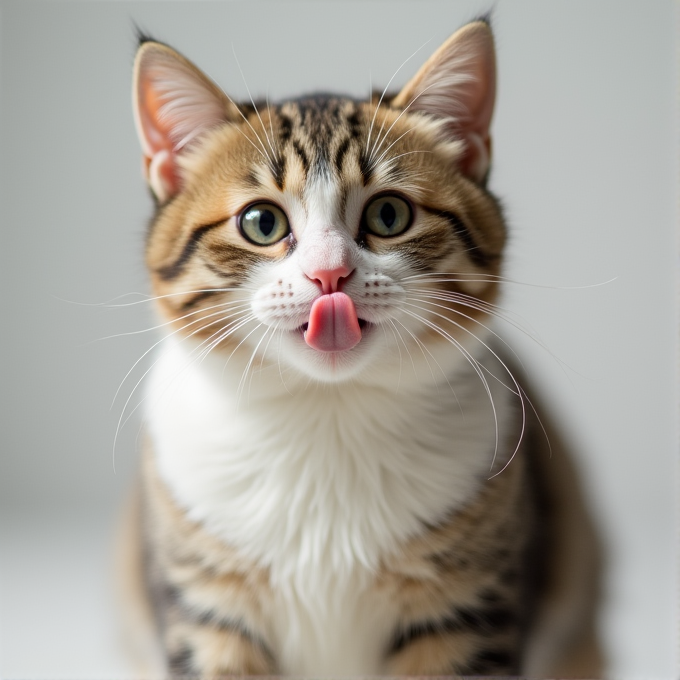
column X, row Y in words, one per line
column 215, row 650
column 209, row 602
column 461, row 586
column 473, row 644
column 206, row 627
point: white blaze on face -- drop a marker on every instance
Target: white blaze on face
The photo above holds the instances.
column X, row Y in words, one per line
column 327, row 255
column 325, row 242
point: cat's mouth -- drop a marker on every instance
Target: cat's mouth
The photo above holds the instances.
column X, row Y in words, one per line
column 333, row 324
column 362, row 324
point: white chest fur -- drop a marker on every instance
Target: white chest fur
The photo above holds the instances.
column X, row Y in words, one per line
column 317, row 485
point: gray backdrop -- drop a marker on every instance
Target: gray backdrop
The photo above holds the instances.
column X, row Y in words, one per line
column 585, row 140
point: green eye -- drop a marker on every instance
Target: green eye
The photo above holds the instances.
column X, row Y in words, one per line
column 263, row 224
column 387, row 216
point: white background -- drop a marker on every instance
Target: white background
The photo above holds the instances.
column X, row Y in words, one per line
column 586, row 145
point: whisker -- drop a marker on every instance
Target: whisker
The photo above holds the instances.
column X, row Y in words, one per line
column 407, row 153
column 264, row 352
column 494, row 277
column 239, row 344
column 121, row 422
column 420, row 346
column 148, row 298
column 501, row 313
column 178, row 330
column 471, row 360
column 271, row 126
column 505, row 367
column 378, row 144
column 208, row 344
column 168, row 323
column 242, row 381
column 278, row 361
column 264, row 129
column 410, row 356
column 424, row 349
column 223, row 334
column 263, row 152
column 396, row 342
column 466, row 316
column 464, row 298
column 384, row 92
column 384, row 153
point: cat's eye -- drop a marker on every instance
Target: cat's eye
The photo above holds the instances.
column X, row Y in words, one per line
column 387, row 216
column 263, row 224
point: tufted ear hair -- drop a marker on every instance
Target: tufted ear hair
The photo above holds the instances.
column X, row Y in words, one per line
column 174, row 103
column 458, row 85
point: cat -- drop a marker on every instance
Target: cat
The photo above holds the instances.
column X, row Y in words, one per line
column 342, row 473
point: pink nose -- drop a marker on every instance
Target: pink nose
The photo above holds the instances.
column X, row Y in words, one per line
column 330, row 280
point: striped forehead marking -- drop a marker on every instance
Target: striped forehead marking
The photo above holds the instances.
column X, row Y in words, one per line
column 319, row 131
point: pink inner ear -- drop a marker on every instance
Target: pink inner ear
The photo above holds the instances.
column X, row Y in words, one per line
column 173, row 103
column 155, row 137
column 156, row 144
column 458, row 84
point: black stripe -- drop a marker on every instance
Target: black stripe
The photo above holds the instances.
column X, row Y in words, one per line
column 340, row 154
column 279, row 170
column 344, row 192
column 488, row 661
column 474, row 252
column 181, row 662
column 223, row 623
column 509, row 576
column 302, row 155
column 220, row 272
column 232, row 262
column 252, row 180
column 193, row 301
column 285, row 127
column 490, row 596
column 365, row 168
column 428, row 248
column 354, row 124
column 332, row 110
column 420, row 630
column 173, row 270
column 486, row 622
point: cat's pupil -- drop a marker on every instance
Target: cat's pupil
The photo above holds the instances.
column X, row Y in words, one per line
column 388, row 214
column 267, row 221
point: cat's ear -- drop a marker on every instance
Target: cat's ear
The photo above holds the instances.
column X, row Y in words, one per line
column 458, row 84
column 174, row 103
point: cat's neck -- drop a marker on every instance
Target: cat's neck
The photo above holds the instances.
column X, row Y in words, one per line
column 255, row 386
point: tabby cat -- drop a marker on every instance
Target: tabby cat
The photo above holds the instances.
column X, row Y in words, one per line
column 342, row 474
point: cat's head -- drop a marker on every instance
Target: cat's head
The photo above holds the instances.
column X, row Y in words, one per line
column 338, row 238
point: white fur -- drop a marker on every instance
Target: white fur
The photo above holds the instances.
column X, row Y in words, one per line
column 318, row 482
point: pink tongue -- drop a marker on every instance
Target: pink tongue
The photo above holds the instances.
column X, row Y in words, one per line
column 333, row 324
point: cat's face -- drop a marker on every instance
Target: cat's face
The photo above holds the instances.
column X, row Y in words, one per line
column 324, row 234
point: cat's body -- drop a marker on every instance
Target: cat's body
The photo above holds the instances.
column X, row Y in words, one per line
column 341, row 474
